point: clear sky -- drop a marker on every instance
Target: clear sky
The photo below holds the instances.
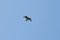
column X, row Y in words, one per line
column 45, row 23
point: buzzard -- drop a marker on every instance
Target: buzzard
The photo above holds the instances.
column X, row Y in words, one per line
column 27, row 18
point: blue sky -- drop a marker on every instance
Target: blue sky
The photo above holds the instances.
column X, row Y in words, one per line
column 45, row 23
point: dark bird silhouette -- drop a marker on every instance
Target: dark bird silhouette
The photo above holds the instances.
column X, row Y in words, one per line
column 27, row 18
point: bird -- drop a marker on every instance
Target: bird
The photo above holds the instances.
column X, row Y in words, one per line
column 27, row 18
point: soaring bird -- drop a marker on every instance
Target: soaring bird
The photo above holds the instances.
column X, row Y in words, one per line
column 27, row 18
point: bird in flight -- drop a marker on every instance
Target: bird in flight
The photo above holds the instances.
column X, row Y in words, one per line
column 27, row 18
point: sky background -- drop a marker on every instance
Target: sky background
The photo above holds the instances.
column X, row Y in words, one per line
column 45, row 23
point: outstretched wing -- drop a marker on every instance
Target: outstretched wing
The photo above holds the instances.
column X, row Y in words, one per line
column 30, row 19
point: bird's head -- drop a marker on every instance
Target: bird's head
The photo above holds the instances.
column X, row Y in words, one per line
column 25, row 16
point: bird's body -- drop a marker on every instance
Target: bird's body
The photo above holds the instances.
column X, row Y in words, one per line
column 27, row 18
